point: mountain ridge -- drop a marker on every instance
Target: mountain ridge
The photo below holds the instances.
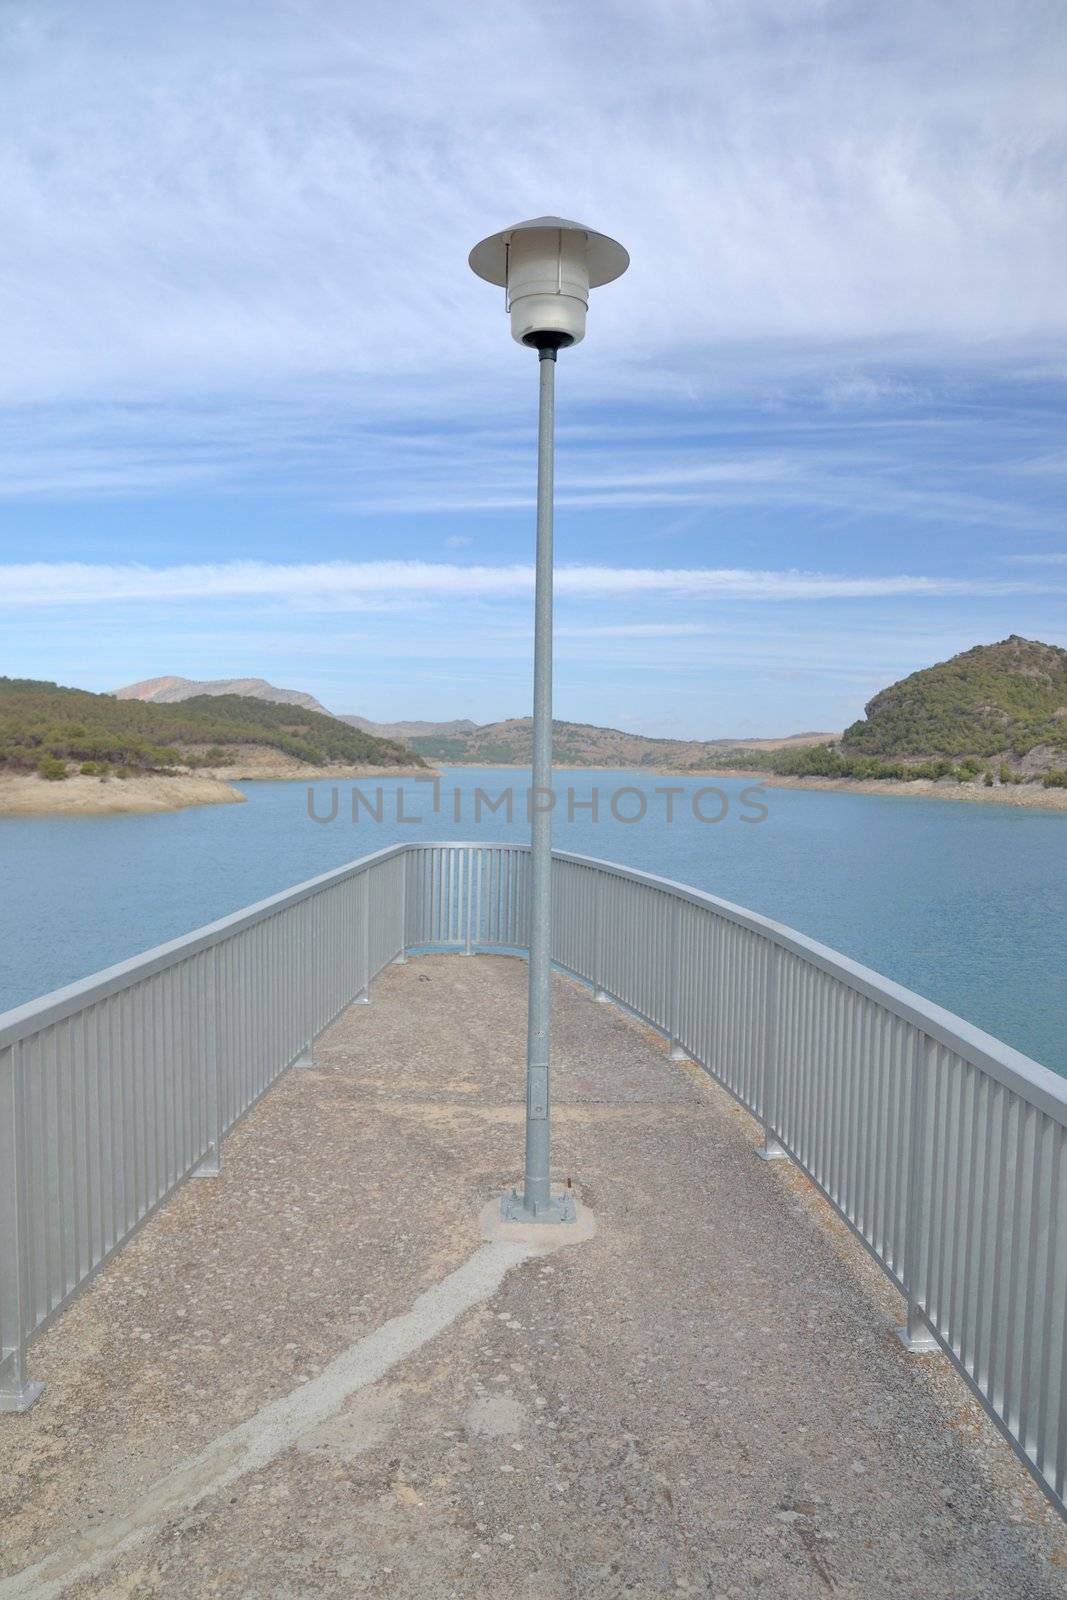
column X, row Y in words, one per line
column 45, row 725
column 173, row 690
column 997, row 710
column 507, row 742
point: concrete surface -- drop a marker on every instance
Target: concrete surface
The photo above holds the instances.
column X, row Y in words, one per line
column 314, row 1376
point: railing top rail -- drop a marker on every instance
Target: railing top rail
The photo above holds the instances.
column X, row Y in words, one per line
column 50, row 1008
column 1036, row 1083
column 1009, row 1066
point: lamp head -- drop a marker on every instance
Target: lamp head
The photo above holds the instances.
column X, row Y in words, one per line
column 547, row 267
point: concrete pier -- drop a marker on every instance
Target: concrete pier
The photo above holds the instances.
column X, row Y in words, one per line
column 313, row 1375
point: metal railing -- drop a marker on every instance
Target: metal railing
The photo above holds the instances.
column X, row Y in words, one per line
column 943, row 1149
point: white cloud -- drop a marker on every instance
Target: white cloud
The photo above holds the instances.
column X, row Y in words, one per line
column 201, row 197
column 845, row 391
column 636, row 630
column 334, row 584
column 458, row 541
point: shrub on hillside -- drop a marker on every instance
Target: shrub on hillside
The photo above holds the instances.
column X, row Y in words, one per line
column 40, row 719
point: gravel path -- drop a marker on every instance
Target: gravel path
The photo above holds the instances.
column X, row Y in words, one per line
column 704, row 1398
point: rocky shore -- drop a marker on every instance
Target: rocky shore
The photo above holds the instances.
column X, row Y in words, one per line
column 1033, row 796
column 24, row 794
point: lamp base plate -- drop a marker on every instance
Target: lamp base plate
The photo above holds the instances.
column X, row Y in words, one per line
column 560, row 1208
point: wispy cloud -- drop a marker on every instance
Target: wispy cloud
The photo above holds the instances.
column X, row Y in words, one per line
column 198, row 197
column 635, row 630
column 47, row 584
column 242, row 323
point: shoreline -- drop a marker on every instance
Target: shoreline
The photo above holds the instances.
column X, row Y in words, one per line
column 27, row 795
column 24, row 794
column 1028, row 796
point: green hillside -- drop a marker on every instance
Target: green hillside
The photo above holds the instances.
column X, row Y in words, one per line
column 580, row 744
column 44, row 726
column 996, row 714
column 995, row 700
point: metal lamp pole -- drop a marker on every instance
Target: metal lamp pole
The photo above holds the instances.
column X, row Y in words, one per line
column 547, row 268
column 537, row 1198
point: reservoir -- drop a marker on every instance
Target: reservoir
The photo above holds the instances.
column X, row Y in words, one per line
column 965, row 903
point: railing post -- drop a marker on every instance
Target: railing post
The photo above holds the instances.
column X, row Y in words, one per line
column 599, row 993
column 677, row 1051
column 770, row 1064
column 916, row 1335
column 400, row 959
column 211, row 1166
column 17, row 1391
column 306, row 1058
column 363, row 994
column 468, row 882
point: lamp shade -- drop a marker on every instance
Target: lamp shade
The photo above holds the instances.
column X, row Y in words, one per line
column 548, row 266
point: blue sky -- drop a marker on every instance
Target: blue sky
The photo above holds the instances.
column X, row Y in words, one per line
column 258, row 417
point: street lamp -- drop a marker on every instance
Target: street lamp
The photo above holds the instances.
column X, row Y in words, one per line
column 547, row 268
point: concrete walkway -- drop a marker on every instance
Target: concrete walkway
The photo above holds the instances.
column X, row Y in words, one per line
column 311, row 1376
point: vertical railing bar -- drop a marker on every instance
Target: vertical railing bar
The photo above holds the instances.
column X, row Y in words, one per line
column 902, row 1056
column 674, row 975
column 1032, row 1244
column 771, row 1063
column 988, row 1235
column 914, row 1265
column 1032, row 1319
column 956, row 1247
column 946, row 1151
column 1051, row 1300
column 885, row 1036
column 1010, row 1383
column 974, row 1238
column 17, row 1316
column 79, row 1146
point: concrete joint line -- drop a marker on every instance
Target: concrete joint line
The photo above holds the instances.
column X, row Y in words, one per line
column 252, row 1444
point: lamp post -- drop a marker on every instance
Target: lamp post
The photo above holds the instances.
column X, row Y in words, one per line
column 547, row 268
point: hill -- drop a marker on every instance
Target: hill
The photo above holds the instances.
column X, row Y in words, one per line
column 996, row 713
column 171, row 691
column 1006, row 700
column 579, row 744
column 44, row 727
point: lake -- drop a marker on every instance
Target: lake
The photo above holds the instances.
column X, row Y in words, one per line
column 965, row 903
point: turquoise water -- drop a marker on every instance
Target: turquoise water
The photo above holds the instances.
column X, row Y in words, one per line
column 965, row 903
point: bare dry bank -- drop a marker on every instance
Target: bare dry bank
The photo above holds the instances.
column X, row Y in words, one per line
column 1033, row 796
column 27, row 795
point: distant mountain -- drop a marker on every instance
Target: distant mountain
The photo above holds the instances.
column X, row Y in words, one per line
column 1006, row 700
column 45, row 726
column 406, row 731
column 997, row 712
column 579, row 744
column 459, row 741
column 170, row 691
